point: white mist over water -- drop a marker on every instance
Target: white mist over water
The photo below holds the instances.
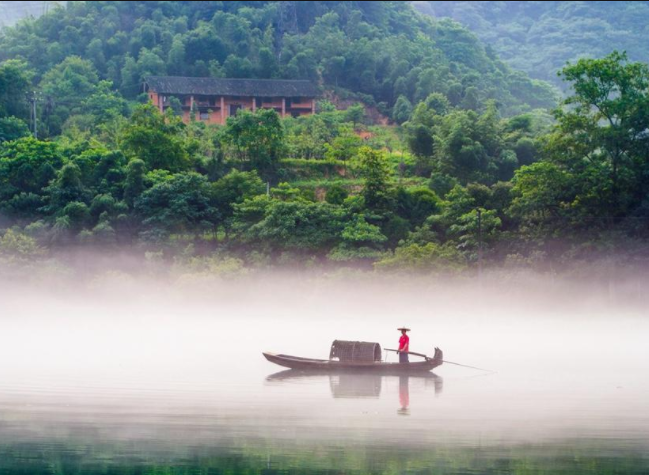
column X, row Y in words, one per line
column 145, row 360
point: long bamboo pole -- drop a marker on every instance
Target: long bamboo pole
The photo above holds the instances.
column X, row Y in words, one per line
column 449, row 362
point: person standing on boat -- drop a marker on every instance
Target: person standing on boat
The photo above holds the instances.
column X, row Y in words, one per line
column 404, row 345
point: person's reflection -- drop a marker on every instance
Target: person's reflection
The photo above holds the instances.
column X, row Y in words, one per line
column 404, row 396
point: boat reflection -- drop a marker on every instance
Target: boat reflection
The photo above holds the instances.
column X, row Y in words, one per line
column 358, row 386
column 355, row 385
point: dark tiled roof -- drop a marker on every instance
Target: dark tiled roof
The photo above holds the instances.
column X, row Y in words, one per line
column 231, row 87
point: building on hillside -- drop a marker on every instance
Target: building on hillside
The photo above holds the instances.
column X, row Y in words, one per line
column 214, row 100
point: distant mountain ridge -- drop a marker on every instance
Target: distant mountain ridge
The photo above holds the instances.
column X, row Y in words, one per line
column 540, row 37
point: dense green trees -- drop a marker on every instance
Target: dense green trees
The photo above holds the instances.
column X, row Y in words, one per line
column 459, row 176
column 596, row 169
column 380, row 51
column 27, row 166
column 467, row 146
column 376, row 174
column 15, row 83
column 294, row 225
column 257, row 140
column 66, row 86
column 610, row 107
column 12, row 128
column 156, row 139
column 162, row 181
column 180, row 203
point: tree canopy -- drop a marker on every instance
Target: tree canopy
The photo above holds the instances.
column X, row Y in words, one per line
column 425, row 152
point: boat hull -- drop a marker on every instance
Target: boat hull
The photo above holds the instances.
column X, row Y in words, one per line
column 380, row 367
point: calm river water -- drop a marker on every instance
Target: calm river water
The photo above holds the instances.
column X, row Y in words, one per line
column 177, row 384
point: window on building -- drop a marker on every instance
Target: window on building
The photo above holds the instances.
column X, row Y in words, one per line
column 234, row 108
column 205, row 116
column 296, row 100
column 258, row 102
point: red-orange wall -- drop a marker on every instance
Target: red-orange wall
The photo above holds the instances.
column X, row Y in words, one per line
column 306, row 107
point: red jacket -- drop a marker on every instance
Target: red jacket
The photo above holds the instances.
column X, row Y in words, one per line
column 404, row 343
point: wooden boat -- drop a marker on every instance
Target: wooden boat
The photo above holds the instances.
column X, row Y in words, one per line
column 333, row 365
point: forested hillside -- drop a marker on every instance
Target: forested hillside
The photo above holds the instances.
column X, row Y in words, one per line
column 378, row 50
column 540, row 37
column 471, row 169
